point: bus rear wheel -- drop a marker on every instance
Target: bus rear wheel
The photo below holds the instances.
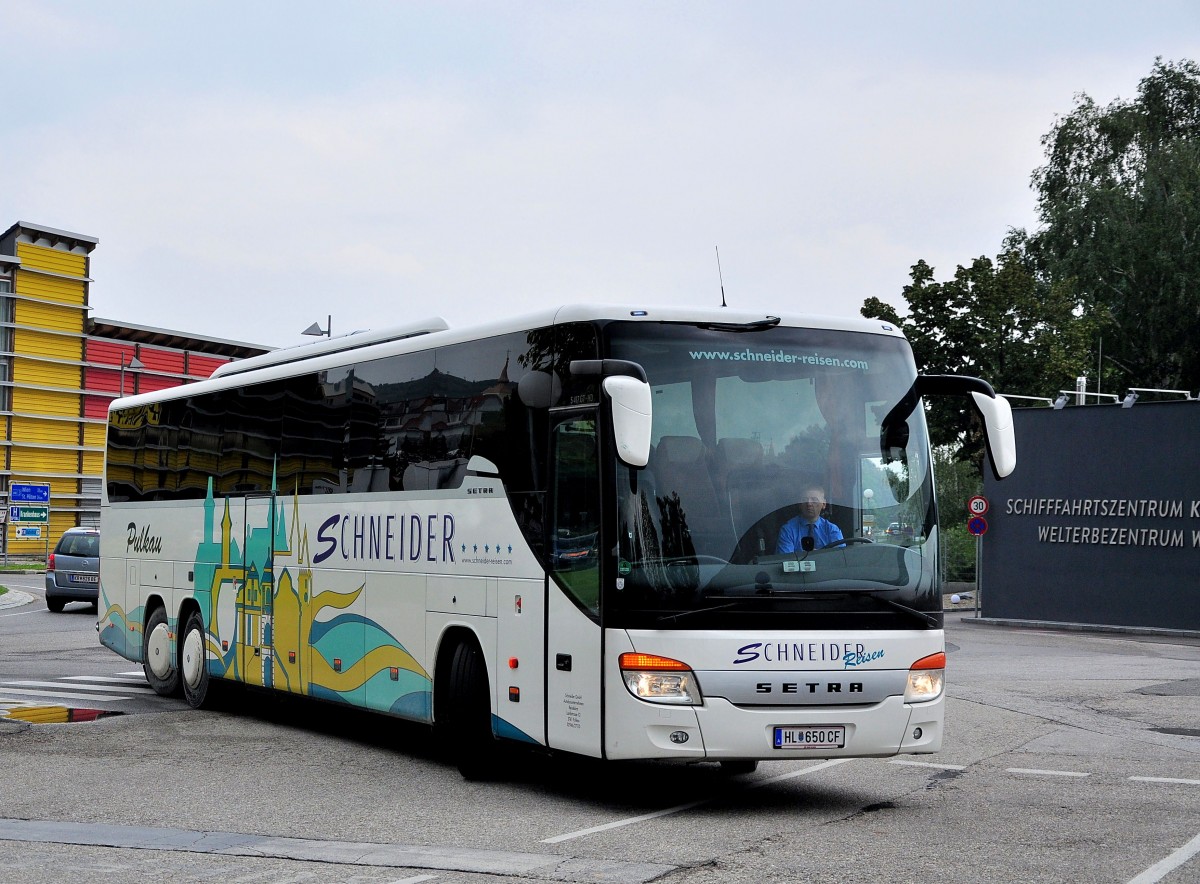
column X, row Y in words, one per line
column 193, row 662
column 157, row 664
column 473, row 745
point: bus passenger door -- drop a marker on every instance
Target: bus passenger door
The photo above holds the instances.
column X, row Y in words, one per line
column 573, row 636
column 255, row 599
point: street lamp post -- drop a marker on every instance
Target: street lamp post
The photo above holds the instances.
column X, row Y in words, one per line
column 134, row 363
column 316, row 331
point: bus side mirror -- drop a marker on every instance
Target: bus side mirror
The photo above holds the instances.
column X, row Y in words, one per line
column 631, row 417
column 994, row 411
column 998, row 431
column 629, row 396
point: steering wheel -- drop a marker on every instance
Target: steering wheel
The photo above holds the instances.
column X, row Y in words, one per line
column 846, row 541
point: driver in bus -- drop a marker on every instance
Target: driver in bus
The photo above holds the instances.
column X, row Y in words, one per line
column 810, row 530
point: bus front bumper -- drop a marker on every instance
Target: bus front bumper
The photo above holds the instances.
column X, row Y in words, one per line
column 718, row 730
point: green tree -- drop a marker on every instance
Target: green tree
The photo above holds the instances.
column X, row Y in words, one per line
column 999, row 320
column 956, row 481
column 1119, row 206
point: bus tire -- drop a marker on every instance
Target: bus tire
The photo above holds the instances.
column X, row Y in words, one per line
column 160, row 669
column 193, row 661
column 472, row 743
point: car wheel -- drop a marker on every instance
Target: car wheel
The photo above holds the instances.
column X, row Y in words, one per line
column 193, row 662
column 472, row 743
column 55, row 605
column 157, row 661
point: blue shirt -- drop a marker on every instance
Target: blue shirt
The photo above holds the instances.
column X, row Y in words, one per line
column 794, row 530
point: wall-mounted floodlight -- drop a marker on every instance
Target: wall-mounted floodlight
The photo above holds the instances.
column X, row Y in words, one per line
column 316, row 331
column 1110, row 396
column 1045, row 399
column 1130, row 398
column 134, row 363
column 1184, row 393
column 1060, row 402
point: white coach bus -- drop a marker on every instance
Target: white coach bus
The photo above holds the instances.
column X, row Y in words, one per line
column 566, row 531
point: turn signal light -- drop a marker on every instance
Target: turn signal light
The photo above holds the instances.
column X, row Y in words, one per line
column 933, row 661
column 654, row 662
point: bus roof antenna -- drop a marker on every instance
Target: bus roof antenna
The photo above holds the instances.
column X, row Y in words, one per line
column 719, row 276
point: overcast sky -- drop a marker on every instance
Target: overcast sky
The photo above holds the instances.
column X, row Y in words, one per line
column 252, row 167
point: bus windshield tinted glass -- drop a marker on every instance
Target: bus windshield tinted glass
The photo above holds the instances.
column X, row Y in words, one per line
column 777, row 481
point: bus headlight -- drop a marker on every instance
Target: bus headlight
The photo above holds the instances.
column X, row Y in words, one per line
column 659, row 679
column 926, row 679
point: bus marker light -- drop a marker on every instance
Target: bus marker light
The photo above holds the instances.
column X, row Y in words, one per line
column 513, row 662
column 224, row 646
column 514, row 695
column 337, row 664
column 291, row 656
column 517, row 604
column 394, row 672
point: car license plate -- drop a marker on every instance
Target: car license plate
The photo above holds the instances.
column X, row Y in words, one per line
column 84, row 578
column 831, row 737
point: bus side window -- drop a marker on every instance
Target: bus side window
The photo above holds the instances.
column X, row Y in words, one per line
column 575, row 514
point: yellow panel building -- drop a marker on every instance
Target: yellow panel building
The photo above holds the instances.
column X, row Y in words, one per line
column 60, row 368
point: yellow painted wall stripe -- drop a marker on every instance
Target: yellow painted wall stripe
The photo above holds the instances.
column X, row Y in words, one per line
column 39, row 315
column 44, row 460
column 54, row 432
column 49, row 288
column 54, row 260
column 34, row 343
column 29, row 401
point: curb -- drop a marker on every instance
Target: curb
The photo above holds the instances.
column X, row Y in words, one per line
column 15, row 598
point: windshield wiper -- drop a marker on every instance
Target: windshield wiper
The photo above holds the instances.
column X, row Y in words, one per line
column 679, row 614
column 927, row 619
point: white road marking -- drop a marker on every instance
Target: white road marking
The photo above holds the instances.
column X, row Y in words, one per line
column 97, row 698
column 109, row 686
column 628, row 821
column 1164, row 867
column 1166, row 780
column 1046, row 773
column 928, row 764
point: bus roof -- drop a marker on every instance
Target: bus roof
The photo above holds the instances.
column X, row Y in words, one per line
column 435, row 332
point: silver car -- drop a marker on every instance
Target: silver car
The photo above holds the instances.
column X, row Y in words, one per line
column 73, row 570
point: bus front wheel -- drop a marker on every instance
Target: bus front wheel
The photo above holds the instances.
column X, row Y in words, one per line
column 193, row 662
column 157, row 664
column 471, row 740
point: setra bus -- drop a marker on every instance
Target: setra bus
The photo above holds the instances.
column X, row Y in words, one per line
column 562, row 531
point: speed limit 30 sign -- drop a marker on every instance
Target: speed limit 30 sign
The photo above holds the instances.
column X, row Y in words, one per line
column 977, row 505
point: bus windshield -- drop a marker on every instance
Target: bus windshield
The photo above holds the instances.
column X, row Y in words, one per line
column 786, row 475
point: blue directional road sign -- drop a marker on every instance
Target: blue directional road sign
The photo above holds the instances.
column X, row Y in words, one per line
column 29, row 492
